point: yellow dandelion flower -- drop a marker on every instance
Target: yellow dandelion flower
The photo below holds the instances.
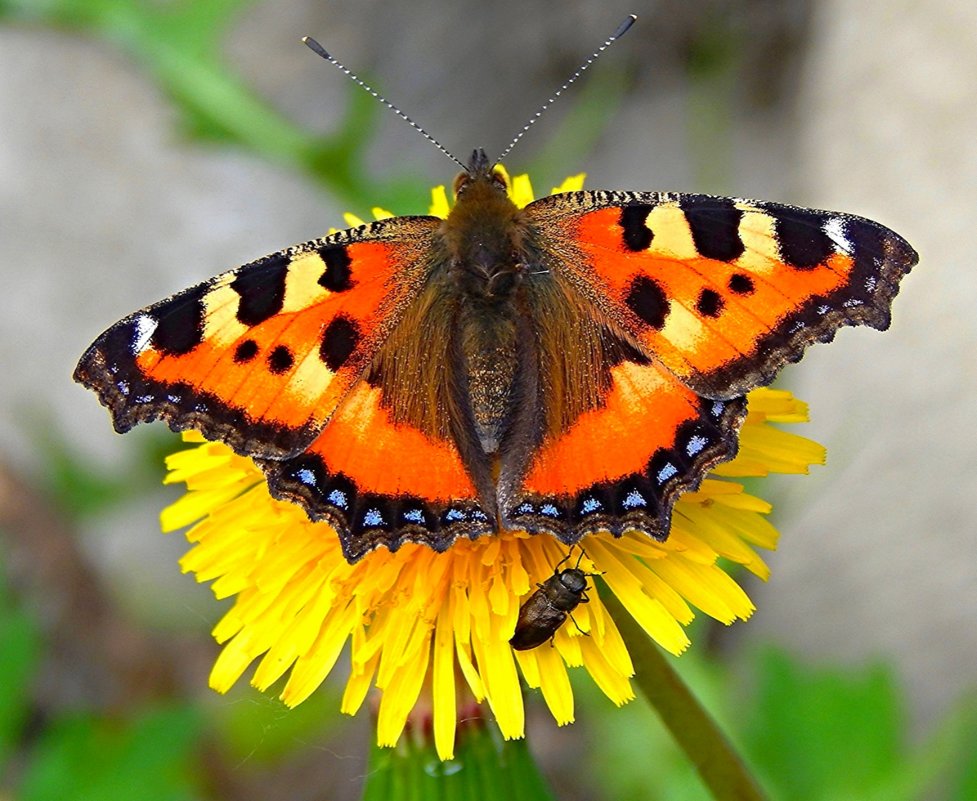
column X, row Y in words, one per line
column 431, row 630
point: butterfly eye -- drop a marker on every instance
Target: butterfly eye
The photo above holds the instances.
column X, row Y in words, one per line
column 461, row 181
column 499, row 179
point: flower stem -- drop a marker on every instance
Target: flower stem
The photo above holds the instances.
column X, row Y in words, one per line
column 485, row 768
column 718, row 765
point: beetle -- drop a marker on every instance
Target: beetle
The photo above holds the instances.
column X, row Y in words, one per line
column 541, row 616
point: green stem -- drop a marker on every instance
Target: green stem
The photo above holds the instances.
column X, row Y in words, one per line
column 719, row 766
column 485, row 768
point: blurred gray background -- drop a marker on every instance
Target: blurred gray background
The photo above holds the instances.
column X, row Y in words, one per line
column 868, row 107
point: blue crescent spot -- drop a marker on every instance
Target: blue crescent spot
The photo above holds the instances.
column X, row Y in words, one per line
column 696, row 444
column 373, row 518
column 590, row 505
column 666, row 472
column 307, row 477
column 633, row 500
column 338, row 498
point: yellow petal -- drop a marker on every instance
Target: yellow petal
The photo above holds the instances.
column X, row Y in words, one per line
column 573, row 183
column 439, row 203
column 521, row 192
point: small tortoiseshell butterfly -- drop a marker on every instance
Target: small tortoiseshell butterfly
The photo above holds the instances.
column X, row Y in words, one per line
column 564, row 368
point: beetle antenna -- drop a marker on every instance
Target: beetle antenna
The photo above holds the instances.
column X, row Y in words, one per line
column 621, row 30
column 319, row 50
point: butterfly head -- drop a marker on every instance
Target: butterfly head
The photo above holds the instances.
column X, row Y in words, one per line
column 480, row 171
column 484, row 233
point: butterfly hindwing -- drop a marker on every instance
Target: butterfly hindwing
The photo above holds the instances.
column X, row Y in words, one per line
column 622, row 466
column 381, row 482
column 259, row 357
column 722, row 291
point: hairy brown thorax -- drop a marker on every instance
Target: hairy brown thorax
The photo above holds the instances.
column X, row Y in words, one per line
column 495, row 354
column 486, row 242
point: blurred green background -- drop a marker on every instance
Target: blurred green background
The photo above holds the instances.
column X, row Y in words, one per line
column 145, row 146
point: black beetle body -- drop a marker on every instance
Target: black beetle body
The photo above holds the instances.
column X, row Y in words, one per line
column 547, row 609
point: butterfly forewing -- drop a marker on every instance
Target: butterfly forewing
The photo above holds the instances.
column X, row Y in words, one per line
column 722, row 291
column 259, row 357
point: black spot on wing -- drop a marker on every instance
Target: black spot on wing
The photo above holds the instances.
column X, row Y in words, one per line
column 339, row 340
column 261, row 286
column 181, row 322
column 647, row 299
column 280, row 360
column 801, row 238
column 741, row 284
column 337, row 276
column 634, row 226
column 246, row 351
column 715, row 226
column 710, row 303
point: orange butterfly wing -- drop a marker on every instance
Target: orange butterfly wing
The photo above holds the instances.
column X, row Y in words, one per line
column 380, row 482
column 261, row 356
column 723, row 291
column 623, row 465
column 719, row 293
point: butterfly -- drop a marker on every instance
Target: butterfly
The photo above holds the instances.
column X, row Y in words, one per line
column 565, row 368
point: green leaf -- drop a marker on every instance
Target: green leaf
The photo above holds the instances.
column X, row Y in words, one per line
column 81, row 488
column 20, row 646
column 818, row 733
column 85, row 758
column 180, row 44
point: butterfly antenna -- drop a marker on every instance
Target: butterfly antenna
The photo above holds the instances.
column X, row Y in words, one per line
column 319, row 50
column 621, row 30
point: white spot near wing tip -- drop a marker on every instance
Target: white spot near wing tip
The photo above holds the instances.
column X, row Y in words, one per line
column 143, row 328
column 834, row 228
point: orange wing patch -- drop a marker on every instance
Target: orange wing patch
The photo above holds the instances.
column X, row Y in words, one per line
column 622, row 466
column 380, row 482
column 723, row 291
column 261, row 356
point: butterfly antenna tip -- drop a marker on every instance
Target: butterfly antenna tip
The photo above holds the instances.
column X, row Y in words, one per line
column 320, row 51
column 618, row 33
